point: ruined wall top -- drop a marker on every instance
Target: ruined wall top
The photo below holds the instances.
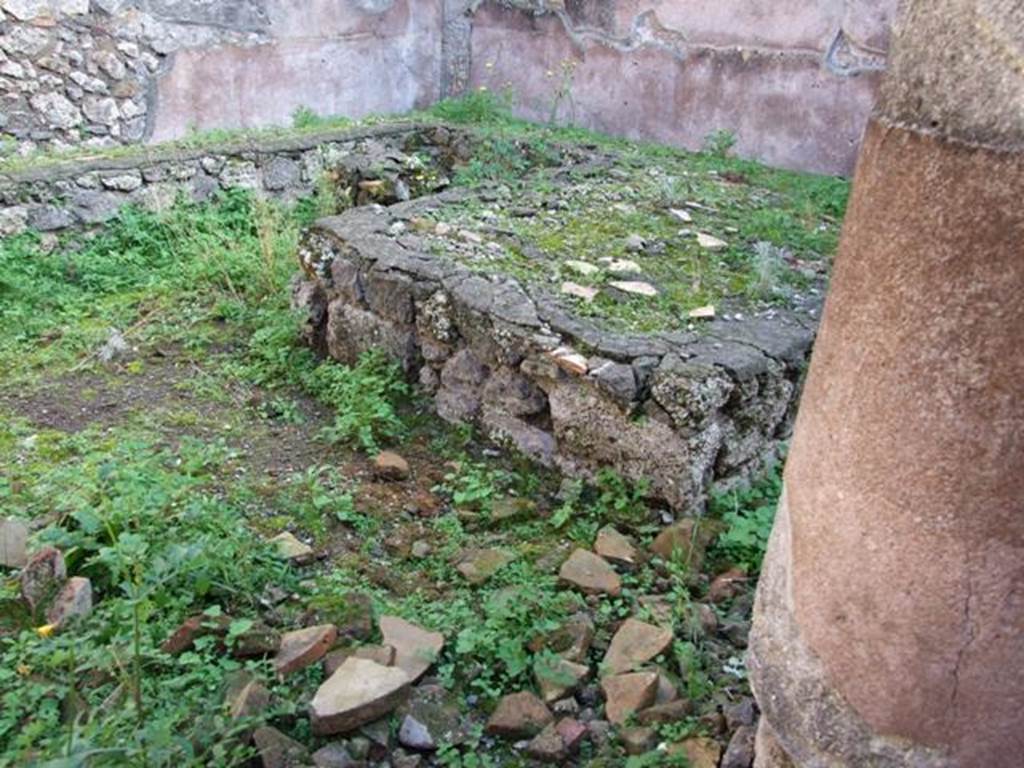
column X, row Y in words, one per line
column 791, row 81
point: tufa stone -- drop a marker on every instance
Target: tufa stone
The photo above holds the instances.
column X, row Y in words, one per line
column 670, row 712
column 388, row 465
column 700, row 752
column 13, row 543
column 42, row 577
column 572, row 732
column 416, row 649
column 73, row 601
column 559, row 677
column 590, row 573
column 727, row 585
column 519, row 716
column 636, row 643
column 277, row 750
column 193, row 628
column 740, row 752
column 288, row 547
column 584, row 292
column 634, row 287
column 710, row 243
column 246, row 696
column 479, row 565
column 303, row 647
column 360, row 692
column 686, row 539
column 627, row 694
column 614, row 546
column 638, row 740
column 547, row 746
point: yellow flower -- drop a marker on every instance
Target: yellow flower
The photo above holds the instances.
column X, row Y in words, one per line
column 23, row 670
column 46, row 630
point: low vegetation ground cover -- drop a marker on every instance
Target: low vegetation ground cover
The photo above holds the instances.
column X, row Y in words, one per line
column 567, row 205
column 159, row 423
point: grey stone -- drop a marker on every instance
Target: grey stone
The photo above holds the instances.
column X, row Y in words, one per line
column 47, row 218
column 91, row 207
column 123, row 182
column 26, row 10
column 390, row 295
column 111, row 64
column 25, row 41
column 510, row 392
column 13, row 220
column 415, row 735
column 334, row 755
column 617, row 379
column 350, row 331
column 13, row 542
column 156, row 197
column 461, row 380
column 101, row 109
column 89, row 83
column 281, row 173
column 691, row 393
column 240, row 173
column 56, row 110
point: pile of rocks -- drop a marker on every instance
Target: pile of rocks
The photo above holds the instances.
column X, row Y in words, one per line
column 53, row 600
column 363, row 686
column 375, row 706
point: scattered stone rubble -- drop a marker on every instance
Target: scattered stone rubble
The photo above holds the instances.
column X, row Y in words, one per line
column 365, row 686
column 54, row 601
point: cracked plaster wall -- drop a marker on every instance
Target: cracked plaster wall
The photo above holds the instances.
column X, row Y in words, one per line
column 793, row 80
column 109, row 72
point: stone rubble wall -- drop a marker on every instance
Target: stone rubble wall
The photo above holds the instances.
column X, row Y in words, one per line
column 77, row 193
column 793, row 81
column 680, row 410
column 102, row 73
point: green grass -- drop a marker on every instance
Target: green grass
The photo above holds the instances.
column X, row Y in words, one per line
column 748, row 514
column 167, row 504
column 158, row 519
column 781, row 227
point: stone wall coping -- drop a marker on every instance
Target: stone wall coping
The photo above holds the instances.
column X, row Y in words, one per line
column 144, row 156
column 742, row 347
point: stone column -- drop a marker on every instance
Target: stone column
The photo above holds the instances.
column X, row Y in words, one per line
column 889, row 625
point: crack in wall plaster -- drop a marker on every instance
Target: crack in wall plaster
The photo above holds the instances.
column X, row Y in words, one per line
column 845, row 56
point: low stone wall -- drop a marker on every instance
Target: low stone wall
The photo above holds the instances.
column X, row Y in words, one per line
column 682, row 410
column 86, row 192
